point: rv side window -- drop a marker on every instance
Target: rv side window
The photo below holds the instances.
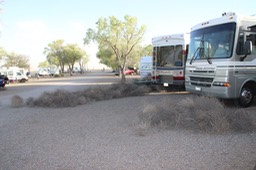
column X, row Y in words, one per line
column 252, row 38
column 240, row 44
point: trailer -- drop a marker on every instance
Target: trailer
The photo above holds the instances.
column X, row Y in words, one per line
column 169, row 57
column 221, row 61
column 146, row 68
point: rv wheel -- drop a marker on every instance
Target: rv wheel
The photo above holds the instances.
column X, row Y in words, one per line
column 246, row 96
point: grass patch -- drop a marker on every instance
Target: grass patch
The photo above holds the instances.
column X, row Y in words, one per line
column 63, row 98
column 197, row 113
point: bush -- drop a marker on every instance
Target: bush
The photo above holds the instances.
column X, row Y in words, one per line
column 57, row 75
column 198, row 113
column 63, row 98
column 17, row 101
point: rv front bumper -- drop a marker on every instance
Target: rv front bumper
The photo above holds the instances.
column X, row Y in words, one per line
column 213, row 91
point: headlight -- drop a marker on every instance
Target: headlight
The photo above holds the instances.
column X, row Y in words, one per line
column 223, row 84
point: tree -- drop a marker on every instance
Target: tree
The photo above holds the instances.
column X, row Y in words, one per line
column 119, row 37
column 72, row 54
column 17, row 60
column 84, row 60
column 55, row 55
column 44, row 64
column 107, row 57
column 137, row 53
column 2, row 53
column 60, row 55
column 146, row 50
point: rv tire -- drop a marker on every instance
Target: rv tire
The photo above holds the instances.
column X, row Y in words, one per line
column 246, row 96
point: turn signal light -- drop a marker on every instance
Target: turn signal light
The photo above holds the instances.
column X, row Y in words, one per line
column 223, row 84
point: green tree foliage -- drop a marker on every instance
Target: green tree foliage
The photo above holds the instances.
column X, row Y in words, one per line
column 83, row 61
column 107, row 57
column 117, row 37
column 146, row 50
column 137, row 53
column 2, row 53
column 63, row 55
column 72, row 54
column 55, row 55
column 44, row 64
column 17, row 60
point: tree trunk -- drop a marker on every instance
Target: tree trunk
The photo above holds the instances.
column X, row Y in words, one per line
column 121, row 74
column 70, row 70
column 123, row 79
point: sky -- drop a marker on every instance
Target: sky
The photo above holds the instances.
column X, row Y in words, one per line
column 28, row 26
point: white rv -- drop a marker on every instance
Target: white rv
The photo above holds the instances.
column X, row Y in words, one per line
column 169, row 57
column 221, row 60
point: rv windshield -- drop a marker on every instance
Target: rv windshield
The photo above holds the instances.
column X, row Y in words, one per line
column 168, row 56
column 216, row 42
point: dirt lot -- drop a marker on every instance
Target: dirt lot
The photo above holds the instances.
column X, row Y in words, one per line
column 104, row 135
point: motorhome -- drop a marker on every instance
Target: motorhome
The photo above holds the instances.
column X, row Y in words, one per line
column 169, row 57
column 221, row 60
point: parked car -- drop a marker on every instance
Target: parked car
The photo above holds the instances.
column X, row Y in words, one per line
column 117, row 72
column 2, row 82
column 126, row 72
column 5, row 78
column 129, row 72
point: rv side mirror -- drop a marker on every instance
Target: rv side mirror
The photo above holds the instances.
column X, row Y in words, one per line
column 247, row 48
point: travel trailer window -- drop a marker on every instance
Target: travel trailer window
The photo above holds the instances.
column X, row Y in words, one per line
column 212, row 42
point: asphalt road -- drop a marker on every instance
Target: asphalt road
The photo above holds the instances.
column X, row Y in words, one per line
column 34, row 87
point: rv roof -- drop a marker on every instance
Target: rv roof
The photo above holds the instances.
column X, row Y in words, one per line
column 170, row 39
column 227, row 18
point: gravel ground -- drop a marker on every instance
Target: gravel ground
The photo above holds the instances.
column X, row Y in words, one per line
column 103, row 135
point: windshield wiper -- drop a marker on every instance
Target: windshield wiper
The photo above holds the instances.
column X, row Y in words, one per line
column 208, row 59
column 202, row 53
column 198, row 50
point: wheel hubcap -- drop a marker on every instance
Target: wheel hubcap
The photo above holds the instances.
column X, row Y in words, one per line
column 246, row 96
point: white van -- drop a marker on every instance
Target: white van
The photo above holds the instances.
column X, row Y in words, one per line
column 16, row 76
